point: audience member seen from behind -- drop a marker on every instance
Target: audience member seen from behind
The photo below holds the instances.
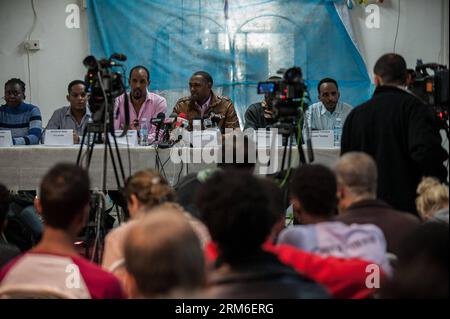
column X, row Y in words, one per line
column 238, row 214
column 22, row 119
column 163, row 257
column 64, row 205
column 144, row 190
column 343, row 278
column 422, row 270
column 313, row 192
column 432, row 200
column 357, row 175
column 7, row 251
column 237, row 150
column 76, row 115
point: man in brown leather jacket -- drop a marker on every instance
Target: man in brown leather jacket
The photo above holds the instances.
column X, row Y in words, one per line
column 203, row 103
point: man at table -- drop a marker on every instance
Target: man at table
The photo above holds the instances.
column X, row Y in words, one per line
column 203, row 103
column 22, row 119
column 324, row 114
column 76, row 115
column 142, row 103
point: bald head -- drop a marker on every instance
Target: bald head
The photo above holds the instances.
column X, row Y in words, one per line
column 358, row 172
column 163, row 253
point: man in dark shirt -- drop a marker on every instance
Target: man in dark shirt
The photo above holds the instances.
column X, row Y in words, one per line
column 260, row 115
column 399, row 132
column 356, row 174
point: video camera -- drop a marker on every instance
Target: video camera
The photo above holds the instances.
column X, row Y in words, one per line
column 103, row 84
column 287, row 92
column 433, row 89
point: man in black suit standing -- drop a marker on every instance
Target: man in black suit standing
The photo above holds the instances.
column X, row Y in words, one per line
column 399, row 132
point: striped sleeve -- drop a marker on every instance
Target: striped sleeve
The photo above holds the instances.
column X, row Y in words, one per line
column 34, row 129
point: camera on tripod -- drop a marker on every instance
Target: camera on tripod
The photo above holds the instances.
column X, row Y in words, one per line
column 433, row 89
column 103, row 84
column 288, row 93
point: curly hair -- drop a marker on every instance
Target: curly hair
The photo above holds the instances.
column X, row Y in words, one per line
column 234, row 206
column 315, row 187
column 432, row 196
column 149, row 187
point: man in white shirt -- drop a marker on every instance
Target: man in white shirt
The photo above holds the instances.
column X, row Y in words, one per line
column 325, row 114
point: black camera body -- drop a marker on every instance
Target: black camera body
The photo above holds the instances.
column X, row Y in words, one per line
column 432, row 89
column 288, row 93
column 103, row 85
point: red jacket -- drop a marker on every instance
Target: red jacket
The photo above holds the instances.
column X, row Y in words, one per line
column 343, row 278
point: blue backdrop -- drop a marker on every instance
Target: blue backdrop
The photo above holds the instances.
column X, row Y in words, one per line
column 238, row 42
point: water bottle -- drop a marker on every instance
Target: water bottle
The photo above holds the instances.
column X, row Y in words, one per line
column 337, row 132
column 143, row 132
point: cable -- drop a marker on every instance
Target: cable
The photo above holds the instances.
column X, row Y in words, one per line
column 28, row 53
column 398, row 23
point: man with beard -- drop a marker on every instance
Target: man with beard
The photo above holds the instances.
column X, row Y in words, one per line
column 22, row 119
column 325, row 114
column 73, row 117
column 142, row 103
column 203, row 103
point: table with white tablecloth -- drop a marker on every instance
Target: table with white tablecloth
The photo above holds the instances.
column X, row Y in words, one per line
column 22, row 167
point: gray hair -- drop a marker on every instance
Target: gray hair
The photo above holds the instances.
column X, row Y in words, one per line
column 358, row 172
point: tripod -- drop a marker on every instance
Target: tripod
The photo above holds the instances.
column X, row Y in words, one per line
column 292, row 128
column 96, row 228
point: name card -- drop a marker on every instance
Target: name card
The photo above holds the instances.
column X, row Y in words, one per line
column 265, row 139
column 131, row 135
column 322, row 139
column 58, row 137
column 206, row 138
column 6, row 138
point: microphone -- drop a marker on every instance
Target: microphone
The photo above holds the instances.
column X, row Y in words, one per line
column 158, row 122
column 216, row 118
column 182, row 121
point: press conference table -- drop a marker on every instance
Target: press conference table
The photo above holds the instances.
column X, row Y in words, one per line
column 22, row 167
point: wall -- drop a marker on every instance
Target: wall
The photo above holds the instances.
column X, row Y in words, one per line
column 420, row 35
column 56, row 64
column 422, row 31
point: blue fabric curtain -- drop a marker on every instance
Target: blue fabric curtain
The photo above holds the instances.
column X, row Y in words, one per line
column 238, row 42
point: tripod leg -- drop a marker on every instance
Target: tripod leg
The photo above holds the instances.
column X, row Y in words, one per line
column 85, row 132
column 113, row 161
column 119, row 159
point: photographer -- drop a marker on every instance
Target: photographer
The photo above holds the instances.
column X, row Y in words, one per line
column 399, row 132
column 260, row 115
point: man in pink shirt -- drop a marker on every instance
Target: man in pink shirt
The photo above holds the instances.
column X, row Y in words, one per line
column 142, row 103
column 54, row 264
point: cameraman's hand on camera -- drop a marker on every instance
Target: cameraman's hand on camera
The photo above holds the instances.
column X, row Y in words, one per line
column 268, row 113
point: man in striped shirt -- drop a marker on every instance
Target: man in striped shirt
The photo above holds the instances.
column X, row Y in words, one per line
column 22, row 119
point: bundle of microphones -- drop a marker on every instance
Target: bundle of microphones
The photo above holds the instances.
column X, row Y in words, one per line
column 169, row 130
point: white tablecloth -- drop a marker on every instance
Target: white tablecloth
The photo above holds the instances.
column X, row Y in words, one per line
column 22, row 167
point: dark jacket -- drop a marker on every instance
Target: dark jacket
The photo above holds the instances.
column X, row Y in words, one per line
column 396, row 225
column 219, row 105
column 262, row 276
column 254, row 117
column 400, row 133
